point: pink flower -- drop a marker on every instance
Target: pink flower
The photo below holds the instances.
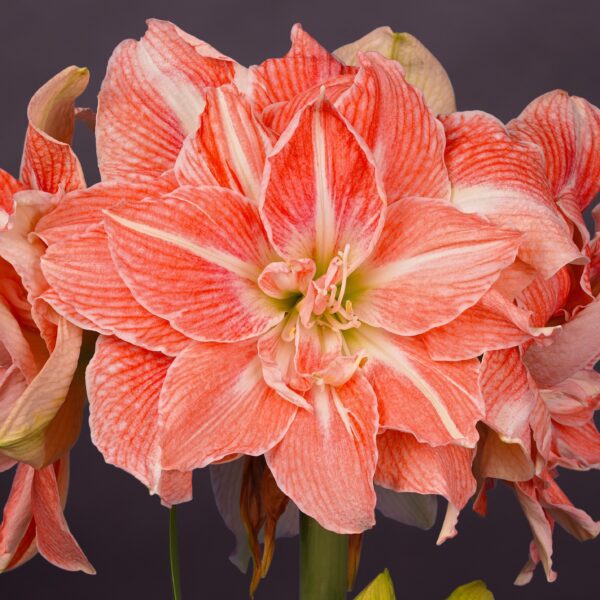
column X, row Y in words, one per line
column 40, row 403
column 541, row 395
column 259, row 259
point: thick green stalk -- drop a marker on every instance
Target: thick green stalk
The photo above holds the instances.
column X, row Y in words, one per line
column 323, row 562
column 174, row 555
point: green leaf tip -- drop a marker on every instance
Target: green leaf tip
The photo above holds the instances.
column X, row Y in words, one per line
column 381, row 588
column 475, row 590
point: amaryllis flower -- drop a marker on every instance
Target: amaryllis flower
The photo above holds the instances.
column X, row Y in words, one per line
column 40, row 402
column 262, row 285
column 541, row 395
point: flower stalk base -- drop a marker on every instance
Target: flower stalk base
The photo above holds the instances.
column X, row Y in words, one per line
column 323, row 562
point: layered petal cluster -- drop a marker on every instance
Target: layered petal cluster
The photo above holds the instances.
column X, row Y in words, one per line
column 541, row 392
column 41, row 400
column 264, row 258
column 316, row 261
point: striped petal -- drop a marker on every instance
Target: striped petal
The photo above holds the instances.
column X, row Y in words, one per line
column 306, row 65
column 81, row 271
column 33, row 520
column 17, row 533
column 546, row 298
column 497, row 176
column 438, row 402
column 215, row 399
column 507, row 392
column 333, row 200
column 405, row 465
column 427, row 243
column 394, row 121
column 229, row 148
column 49, row 163
column 421, row 67
column 8, row 187
column 53, row 538
column 279, row 115
column 209, row 247
column 151, row 98
column 567, row 129
column 577, row 447
column 82, row 209
column 24, row 417
column 333, row 487
column 15, row 349
column 124, row 384
column 575, row 346
column 509, row 402
column 543, row 506
column 541, row 527
column 493, row 323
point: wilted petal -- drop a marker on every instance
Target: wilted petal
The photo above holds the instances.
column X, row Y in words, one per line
column 216, row 400
column 334, row 487
column 503, row 179
column 209, row 247
column 427, row 243
column 124, row 384
column 226, row 482
column 151, row 99
column 406, row 140
column 49, row 163
column 332, row 201
column 421, row 67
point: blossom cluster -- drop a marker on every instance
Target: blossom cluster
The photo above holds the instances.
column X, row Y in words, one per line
column 316, row 262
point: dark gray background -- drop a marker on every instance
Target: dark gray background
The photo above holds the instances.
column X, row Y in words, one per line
column 500, row 55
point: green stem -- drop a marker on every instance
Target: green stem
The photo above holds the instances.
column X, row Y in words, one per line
column 174, row 555
column 323, row 562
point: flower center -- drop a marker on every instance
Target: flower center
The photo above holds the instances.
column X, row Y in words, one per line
column 323, row 303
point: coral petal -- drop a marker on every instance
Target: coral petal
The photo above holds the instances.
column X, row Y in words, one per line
column 124, row 384
column 332, row 200
column 425, row 242
column 151, row 99
column 210, row 247
column 216, row 400
column 326, row 461
column 404, row 136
